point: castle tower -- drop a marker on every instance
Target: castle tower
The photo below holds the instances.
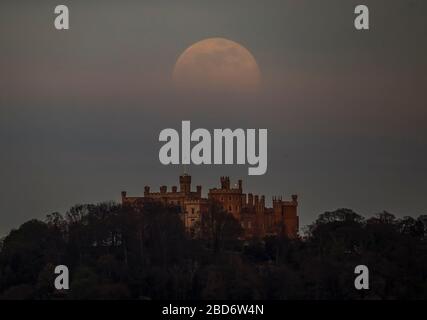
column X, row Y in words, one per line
column 225, row 183
column 230, row 198
column 259, row 216
column 185, row 183
column 291, row 219
column 250, row 200
column 277, row 211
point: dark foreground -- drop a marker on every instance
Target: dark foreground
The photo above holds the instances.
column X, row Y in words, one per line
column 115, row 253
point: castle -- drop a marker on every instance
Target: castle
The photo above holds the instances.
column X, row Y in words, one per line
column 255, row 218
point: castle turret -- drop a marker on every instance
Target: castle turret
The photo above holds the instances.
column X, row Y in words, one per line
column 291, row 219
column 185, row 183
column 295, row 198
column 277, row 211
column 250, row 200
column 225, row 183
column 243, row 202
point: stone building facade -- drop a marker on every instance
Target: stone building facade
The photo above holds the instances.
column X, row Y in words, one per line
column 249, row 210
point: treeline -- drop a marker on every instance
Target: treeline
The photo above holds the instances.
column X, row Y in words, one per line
column 114, row 252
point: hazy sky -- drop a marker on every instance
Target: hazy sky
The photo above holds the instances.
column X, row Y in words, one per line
column 81, row 110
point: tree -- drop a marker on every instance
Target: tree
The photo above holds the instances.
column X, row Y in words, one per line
column 25, row 252
column 219, row 227
column 338, row 232
column 116, row 252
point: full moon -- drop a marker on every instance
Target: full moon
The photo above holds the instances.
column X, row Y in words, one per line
column 217, row 64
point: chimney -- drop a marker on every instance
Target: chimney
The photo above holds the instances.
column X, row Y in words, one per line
column 240, row 185
column 163, row 189
column 199, row 190
column 123, row 195
column 174, row 189
column 256, row 201
column 146, row 190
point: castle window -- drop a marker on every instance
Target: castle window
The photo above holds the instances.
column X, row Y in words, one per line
column 192, row 210
column 229, row 198
column 229, row 208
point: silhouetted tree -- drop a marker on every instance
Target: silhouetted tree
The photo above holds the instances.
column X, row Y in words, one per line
column 220, row 228
column 116, row 252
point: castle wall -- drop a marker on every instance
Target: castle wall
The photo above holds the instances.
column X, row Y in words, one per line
column 193, row 213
